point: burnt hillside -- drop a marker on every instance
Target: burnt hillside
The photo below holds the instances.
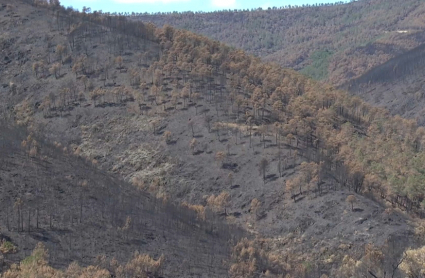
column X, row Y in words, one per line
column 397, row 85
column 79, row 212
column 193, row 123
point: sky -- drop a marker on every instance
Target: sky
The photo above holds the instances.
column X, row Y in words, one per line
column 152, row 6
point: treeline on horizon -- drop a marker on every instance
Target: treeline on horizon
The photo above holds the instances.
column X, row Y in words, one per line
column 87, row 9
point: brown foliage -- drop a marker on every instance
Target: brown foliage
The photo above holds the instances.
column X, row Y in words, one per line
column 255, row 206
column 199, row 209
column 168, row 136
column 37, row 266
column 250, row 258
column 220, row 157
column 7, row 247
column 351, row 199
column 219, row 202
column 193, row 144
column 119, row 61
column 55, row 70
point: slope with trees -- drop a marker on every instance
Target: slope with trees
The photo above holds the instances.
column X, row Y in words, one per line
column 198, row 124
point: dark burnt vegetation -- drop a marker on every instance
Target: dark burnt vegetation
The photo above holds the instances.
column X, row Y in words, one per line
column 262, row 141
column 396, row 85
column 400, row 67
column 80, row 212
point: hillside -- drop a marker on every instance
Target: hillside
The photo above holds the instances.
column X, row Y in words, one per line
column 397, row 85
column 80, row 214
column 321, row 183
column 335, row 42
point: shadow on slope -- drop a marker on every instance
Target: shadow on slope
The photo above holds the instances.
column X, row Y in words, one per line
column 397, row 85
column 79, row 212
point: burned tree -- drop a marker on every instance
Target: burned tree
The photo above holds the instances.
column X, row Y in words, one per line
column 263, row 168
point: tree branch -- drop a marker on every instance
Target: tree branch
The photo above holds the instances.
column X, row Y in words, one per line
column 371, row 273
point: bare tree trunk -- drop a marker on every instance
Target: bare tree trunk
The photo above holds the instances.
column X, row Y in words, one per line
column 19, row 219
column 29, row 220
column 7, row 220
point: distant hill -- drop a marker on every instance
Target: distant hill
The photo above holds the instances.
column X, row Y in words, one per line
column 335, row 42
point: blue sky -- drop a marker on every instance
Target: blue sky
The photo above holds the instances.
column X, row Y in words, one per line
column 180, row 5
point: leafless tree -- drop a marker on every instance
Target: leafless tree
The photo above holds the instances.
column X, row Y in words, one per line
column 263, row 167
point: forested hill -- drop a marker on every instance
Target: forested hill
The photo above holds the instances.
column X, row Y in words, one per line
column 327, row 42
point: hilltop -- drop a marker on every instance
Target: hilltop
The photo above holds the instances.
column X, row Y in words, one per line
column 333, row 42
column 210, row 131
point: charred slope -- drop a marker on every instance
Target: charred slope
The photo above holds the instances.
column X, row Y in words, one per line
column 397, row 85
column 191, row 120
column 79, row 212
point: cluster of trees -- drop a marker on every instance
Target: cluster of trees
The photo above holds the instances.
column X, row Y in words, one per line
column 293, row 37
column 389, row 260
column 252, row 258
column 256, row 258
column 141, row 265
column 307, row 181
